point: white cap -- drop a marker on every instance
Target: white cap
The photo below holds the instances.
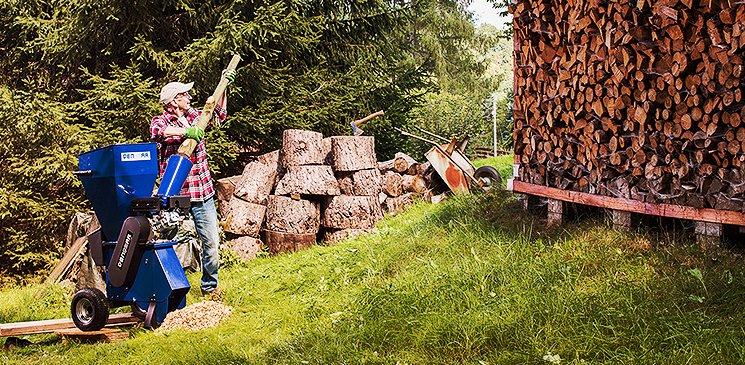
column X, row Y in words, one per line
column 168, row 92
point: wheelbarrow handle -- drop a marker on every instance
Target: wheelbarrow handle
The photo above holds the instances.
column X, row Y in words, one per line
column 405, row 133
column 431, row 134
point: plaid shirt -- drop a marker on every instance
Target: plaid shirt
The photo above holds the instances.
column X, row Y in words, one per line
column 198, row 184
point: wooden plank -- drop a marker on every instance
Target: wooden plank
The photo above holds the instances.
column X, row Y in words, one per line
column 105, row 335
column 51, row 325
column 629, row 205
column 63, row 266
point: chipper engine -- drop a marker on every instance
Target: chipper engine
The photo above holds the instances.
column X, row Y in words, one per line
column 141, row 271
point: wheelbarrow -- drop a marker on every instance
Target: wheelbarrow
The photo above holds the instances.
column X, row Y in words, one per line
column 450, row 162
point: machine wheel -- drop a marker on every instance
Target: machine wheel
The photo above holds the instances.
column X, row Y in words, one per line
column 90, row 309
column 489, row 176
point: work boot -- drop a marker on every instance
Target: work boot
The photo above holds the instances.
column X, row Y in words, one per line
column 213, row 295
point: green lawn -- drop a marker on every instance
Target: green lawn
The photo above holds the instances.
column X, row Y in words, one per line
column 472, row 280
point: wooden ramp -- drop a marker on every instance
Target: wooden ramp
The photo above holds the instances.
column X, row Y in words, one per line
column 103, row 335
column 53, row 325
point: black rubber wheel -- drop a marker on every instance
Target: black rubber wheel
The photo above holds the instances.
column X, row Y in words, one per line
column 89, row 309
column 489, row 176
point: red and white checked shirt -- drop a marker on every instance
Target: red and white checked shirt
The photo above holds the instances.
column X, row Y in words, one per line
column 198, row 184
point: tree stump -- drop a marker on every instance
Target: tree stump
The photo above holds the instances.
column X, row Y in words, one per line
column 332, row 235
column 308, row 180
column 362, row 182
column 392, row 184
column 301, row 148
column 246, row 247
column 244, row 218
column 287, row 215
column 414, row 184
column 279, row 242
column 353, row 153
column 256, row 182
column 345, row 211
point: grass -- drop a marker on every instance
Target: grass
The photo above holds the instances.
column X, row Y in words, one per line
column 472, row 280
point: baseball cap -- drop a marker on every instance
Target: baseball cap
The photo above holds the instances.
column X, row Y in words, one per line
column 168, row 92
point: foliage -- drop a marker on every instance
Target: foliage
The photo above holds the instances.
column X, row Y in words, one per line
column 471, row 280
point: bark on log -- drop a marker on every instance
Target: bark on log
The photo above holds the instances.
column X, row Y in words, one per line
column 345, row 211
column 301, row 147
column 385, row 166
column 392, row 184
column 326, row 151
column 288, row 215
column 332, row 235
column 226, row 186
column 279, row 242
column 402, row 162
column 414, row 184
column 353, row 153
column 308, row 180
column 398, row 204
column 244, row 218
column 246, row 247
column 256, row 182
column 362, row 182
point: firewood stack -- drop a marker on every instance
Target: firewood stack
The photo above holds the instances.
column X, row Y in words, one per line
column 404, row 181
column 637, row 100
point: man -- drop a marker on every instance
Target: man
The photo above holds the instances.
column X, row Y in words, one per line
column 170, row 129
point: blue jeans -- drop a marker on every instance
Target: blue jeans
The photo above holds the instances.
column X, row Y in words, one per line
column 205, row 220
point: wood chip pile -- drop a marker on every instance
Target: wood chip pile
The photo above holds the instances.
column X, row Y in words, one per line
column 317, row 189
column 639, row 100
column 198, row 316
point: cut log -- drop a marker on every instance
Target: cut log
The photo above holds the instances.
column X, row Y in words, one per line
column 398, row 204
column 385, row 166
column 270, row 158
column 392, row 184
column 414, row 184
column 331, row 235
column 226, row 186
column 301, row 147
column 345, row 211
column 244, row 218
column 279, row 242
column 353, row 153
column 247, row 248
column 326, row 151
column 288, row 215
column 256, row 182
column 402, row 162
column 362, row 182
column 308, row 180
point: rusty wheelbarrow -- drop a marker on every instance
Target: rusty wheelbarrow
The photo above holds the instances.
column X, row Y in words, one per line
column 451, row 163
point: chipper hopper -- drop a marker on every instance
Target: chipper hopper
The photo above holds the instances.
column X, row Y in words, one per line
column 141, row 272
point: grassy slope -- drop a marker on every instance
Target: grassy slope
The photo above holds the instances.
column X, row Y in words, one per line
column 472, row 280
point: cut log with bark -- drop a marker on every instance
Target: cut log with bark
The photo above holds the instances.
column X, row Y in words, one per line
column 244, row 218
column 414, row 184
column 246, row 247
column 326, row 151
column 226, row 186
column 402, row 162
column 385, row 166
column 362, row 182
column 256, row 182
column 279, row 242
column 288, row 215
column 332, row 235
column 308, row 180
column 392, row 184
column 346, row 211
column 353, row 153
column 301, row 147
column 398, row 204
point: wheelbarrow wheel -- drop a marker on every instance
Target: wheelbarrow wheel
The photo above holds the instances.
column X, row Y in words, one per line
column 89, row 309
column 488, row 176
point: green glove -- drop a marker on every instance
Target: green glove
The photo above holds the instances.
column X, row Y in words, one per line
column 229, row 75
column 195, row 133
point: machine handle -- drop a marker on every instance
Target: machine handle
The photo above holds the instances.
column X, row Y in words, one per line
column 83, row 173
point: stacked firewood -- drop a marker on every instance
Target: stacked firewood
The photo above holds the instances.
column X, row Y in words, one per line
column 404, row 181
column 637, row 100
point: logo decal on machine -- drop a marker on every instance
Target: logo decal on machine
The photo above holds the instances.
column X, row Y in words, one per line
column 125, row 248
column 135, row 156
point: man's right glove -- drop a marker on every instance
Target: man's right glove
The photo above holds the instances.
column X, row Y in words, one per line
column 195, row 133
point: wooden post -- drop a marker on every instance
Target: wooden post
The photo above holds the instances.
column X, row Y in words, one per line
column 708, row 234
column 621, row 220
column 555, row 212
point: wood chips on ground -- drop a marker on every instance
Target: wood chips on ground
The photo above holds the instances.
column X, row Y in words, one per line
column 198, row 316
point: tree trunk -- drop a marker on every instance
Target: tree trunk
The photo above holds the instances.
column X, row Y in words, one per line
column 301, row 148
column 308, row 180
column 288, row 215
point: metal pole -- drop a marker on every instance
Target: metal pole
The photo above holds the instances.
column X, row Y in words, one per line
column 494, row 118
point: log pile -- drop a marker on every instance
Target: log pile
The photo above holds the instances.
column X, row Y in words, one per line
column 317, row 188
column 638, row 100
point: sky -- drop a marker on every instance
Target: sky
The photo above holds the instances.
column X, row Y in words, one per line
column 485, row 13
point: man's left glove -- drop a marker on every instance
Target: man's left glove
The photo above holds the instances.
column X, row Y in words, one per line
column 195, row 133
column 230, row 75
